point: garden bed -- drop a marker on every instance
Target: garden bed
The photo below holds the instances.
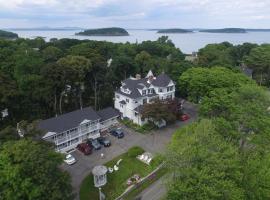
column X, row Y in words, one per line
column 117, row 181
column 141, row 129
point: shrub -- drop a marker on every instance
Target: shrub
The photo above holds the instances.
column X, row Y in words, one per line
column 141, row 129
column 135, row 151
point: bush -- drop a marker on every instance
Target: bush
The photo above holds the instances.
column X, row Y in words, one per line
column 135, row 151
column 141, row 129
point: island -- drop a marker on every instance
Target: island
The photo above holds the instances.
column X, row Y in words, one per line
column 114, row 31
column 224, row 30
column 8, row 35
column 174, row 30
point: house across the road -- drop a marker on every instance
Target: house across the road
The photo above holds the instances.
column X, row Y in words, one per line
column 135, row 92
column 68, row 130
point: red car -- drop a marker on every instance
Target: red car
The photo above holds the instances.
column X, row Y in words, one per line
column 184, row 117
column 84, row 148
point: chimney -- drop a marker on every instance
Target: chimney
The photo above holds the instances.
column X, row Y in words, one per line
column 138, row 76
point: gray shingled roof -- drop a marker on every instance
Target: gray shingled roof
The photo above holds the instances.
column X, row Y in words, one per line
column 161, row 80
column 133, row 85
column 108, row 113
column 68, row 121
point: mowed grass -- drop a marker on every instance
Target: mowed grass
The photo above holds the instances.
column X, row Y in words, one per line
column 116, row 184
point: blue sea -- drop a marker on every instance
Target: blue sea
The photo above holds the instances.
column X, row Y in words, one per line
column 187, row 42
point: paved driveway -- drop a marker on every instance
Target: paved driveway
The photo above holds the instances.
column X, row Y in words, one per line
column 154, row 142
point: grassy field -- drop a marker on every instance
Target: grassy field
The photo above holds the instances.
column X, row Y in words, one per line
column 116, row 185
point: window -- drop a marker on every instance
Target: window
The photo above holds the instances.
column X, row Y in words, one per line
column 149, row 91
column 136, row 114
column 127, row 100
column 160, row 90
column 144, row 92
column 144, row 101
column 169, row 88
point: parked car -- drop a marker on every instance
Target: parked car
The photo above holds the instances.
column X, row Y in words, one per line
column 84, row 148
column 94, row 143
column 184, row 117
column 69, row 159
column 104, row 141
column 117, row 133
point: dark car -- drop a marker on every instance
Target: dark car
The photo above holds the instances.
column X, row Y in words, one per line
column 104, row 141
column 94, row 143
column 184, row 117
column 117, row 133
column 84, row 148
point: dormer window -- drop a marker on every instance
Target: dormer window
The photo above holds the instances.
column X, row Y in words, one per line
column 144, row 92
column 160, row 90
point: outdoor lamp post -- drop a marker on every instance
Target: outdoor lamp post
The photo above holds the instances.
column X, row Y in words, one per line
column 100, row 178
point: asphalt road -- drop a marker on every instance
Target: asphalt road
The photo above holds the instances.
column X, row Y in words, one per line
column 155, row 192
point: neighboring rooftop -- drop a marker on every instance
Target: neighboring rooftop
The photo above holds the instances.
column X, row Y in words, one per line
column 108, row 113
column 68, row 121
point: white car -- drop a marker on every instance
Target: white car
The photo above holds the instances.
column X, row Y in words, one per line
column 70, row 159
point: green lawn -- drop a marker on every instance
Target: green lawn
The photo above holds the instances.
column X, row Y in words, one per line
column 117, row 180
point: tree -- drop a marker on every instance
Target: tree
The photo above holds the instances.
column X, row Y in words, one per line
column 51, row 54
column 197, row 83
column 7, row 134
column 158, row 111
column 143, row 61
column 203, row 165
column 245, row 109
column 30, row 170
column 78, row 67
column 259, row 61
column 216, row 55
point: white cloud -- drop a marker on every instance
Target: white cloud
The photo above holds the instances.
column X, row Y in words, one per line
column 197, row 12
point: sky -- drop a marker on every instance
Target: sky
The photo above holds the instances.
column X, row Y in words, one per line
column 135, row 13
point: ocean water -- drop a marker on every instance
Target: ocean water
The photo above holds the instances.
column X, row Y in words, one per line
column 187, row 42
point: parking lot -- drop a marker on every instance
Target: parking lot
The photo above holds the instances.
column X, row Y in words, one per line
column 154, row 142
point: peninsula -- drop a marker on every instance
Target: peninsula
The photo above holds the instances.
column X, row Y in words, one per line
column 114, row 31
column 8, row 35
column 174, row 30
column 224, row 30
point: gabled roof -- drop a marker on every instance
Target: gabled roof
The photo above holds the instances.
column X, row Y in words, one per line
column 134, row 85
column 162, row 80
column 108, row 113
column 68, row 121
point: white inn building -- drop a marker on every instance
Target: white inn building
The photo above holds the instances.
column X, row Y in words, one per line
column 135, row 92
column 68, row 130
